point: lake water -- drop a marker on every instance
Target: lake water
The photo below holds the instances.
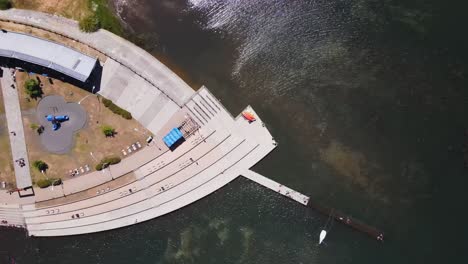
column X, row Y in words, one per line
column 368, row 102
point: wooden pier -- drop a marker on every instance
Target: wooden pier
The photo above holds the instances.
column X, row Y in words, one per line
column 305, row 200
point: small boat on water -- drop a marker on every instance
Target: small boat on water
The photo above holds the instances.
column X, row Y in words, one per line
column 248, row 116
column 323, row 234
column 328, row 226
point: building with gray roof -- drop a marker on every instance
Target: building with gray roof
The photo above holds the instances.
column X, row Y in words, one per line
column 47, row 54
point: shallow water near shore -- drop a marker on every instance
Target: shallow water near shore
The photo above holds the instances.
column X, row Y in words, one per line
column 368, row 103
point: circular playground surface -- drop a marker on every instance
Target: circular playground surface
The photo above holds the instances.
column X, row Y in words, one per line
column 59, row 141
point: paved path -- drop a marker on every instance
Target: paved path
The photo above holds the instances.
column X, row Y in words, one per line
column 135, row 59
column 277, row 187
column 15, row 125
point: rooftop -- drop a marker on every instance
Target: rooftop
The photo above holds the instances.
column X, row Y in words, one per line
column 46, row 53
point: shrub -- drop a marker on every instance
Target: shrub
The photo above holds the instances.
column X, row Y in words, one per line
column 105, row 162
column 126, row 115
column 115, row 109
column 5, row 4
column 40, row 165
column 108, row 131
column 44, row 183
column 89, row 24
column 56, row 182
column 99, row 167
column 33, row 89
column 106, row 102
column 112, row 160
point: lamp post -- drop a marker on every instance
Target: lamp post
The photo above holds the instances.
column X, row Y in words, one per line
column 107, row 166
column 104, row 166
column 110, row 172
column 61, row 184
column 92, row 156
column 53, row 183
column 79, row 102
column 137, row 130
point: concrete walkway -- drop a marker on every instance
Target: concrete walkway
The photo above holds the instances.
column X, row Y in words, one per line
column 135, row 59
column 148, row 105
column 15, row 127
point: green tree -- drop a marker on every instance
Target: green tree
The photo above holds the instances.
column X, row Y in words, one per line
column 5, row 4
column 33, row 89
column 108, row 131
column 40, row 165
column 89, row 23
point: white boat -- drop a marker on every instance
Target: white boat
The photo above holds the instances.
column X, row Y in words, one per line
column 323, row 234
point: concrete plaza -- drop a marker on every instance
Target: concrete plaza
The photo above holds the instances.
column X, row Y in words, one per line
column 154, row 181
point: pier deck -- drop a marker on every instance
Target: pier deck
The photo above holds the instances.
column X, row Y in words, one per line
column 277, row 187
column 305, row 200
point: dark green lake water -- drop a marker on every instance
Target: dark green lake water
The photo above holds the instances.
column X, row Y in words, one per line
column 368, row 101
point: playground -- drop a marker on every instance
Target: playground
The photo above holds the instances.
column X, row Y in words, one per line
column 78, row 144
column 60, row 120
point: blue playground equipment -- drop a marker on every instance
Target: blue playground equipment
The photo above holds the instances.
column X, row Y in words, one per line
column 56, row 120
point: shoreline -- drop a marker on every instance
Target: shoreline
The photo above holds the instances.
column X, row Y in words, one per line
column 220, row 149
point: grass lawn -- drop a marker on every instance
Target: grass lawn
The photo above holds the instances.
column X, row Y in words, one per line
column 7, row 172
column 76, row 9
column 88, row 139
